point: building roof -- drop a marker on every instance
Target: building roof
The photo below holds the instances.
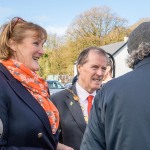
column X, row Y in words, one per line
column 114, row 47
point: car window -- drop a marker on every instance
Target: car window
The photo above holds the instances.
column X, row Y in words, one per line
column 55, row 85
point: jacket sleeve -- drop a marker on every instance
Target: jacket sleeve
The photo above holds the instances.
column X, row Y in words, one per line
column 4, row 110
column 53, row 99
column 94, row 137
column 4, row 105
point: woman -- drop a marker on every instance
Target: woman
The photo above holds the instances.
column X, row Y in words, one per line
column 28, row 119
column 108, row 75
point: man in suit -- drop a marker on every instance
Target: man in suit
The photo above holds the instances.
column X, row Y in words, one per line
column 72, row 103
column 120, row 118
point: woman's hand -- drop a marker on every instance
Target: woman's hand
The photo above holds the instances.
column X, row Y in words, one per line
column 63, row 147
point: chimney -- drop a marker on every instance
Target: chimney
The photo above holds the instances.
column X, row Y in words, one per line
column 125, row 39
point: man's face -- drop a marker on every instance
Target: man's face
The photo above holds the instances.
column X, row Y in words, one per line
column 91, row 73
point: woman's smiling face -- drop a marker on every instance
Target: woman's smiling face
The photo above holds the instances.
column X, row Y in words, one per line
column 29, row 51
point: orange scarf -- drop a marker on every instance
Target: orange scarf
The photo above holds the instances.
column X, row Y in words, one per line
column 37, row 87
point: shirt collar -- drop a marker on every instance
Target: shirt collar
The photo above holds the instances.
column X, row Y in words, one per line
column 82, row 93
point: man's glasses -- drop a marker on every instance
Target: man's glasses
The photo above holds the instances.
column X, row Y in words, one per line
column 15, row 20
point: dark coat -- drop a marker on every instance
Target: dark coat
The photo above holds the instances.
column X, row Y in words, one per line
column 120, row 118
column 24, row 123
column 72, row 121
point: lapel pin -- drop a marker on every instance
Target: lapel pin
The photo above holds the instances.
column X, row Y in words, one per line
column 71, row 103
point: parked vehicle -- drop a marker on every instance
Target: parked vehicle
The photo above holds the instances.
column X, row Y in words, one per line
column 54, row 86
column 68, row 85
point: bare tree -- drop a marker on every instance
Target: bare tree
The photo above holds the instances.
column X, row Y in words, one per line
column 98, row 21
column 53, row 41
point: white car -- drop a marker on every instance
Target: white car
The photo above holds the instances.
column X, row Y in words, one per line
column 68, row 85
column 54, row 86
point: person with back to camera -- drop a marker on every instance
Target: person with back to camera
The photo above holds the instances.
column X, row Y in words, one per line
column 28, row 119
column 120, row 116
column 73, row 104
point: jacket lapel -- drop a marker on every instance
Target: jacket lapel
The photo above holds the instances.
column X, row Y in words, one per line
column 75, row 109
column 27, row 98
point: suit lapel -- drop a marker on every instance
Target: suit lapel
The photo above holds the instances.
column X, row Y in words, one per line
column 27, row 98
column 32, row 103
column 75, row 110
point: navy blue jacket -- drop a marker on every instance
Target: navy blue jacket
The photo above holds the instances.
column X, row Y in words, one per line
column 24, row 124
column 120, row 118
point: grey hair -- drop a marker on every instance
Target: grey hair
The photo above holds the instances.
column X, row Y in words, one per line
column 83, row 56
column 139, row 54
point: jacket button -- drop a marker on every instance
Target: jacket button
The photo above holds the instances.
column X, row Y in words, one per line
column 40, row 135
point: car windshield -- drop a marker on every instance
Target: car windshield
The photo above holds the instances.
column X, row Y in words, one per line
column 55, row 85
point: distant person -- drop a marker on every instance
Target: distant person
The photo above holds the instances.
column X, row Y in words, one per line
column 28, row 119
column 74, row 103
column 109, row 71
column 120, row 116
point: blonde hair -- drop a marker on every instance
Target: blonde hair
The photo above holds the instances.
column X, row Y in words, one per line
column 16, row 30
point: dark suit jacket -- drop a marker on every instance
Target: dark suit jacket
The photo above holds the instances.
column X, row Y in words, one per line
column 24, row 123
column 72, row 121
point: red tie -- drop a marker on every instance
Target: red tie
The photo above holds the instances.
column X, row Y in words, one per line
column 89, row 98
